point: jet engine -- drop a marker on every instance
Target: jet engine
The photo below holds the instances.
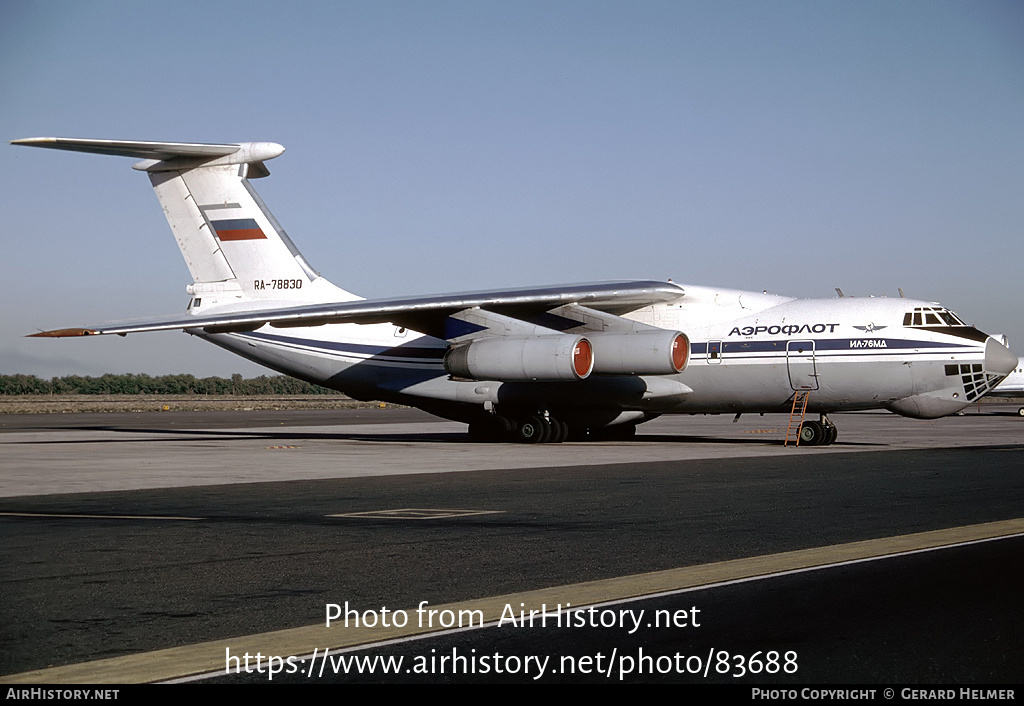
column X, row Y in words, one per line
column 655, row 352
column 522, row 358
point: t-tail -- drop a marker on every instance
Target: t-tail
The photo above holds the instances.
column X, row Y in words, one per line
column 238, row 254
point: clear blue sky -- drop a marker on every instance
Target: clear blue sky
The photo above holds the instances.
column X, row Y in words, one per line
column 444, row 146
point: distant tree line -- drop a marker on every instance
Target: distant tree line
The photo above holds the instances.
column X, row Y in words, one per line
column 129, row 384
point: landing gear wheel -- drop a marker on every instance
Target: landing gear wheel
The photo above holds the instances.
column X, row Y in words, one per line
column 533, row 430
column 831, row 434
column 559, row 431
column 1020, row 412
column 812, row 433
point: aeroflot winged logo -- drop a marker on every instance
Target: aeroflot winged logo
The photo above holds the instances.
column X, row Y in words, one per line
column 870, row 327
column 238, row 229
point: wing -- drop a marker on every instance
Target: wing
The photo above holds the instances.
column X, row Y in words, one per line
column 431, row 315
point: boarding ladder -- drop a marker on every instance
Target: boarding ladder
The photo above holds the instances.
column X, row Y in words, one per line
column 796, row 415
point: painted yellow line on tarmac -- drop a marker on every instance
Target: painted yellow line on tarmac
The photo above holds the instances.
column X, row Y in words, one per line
column 207, row 657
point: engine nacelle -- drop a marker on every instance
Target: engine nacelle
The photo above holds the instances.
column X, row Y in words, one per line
column 655, row 352
column 526, row 358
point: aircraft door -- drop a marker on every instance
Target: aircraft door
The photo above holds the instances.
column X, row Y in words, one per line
column 714, row 352
column 803, row 371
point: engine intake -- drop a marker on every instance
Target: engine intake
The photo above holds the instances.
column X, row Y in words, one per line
column 526, row 358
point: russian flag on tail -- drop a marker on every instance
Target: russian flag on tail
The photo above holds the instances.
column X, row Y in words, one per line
column 238, row 229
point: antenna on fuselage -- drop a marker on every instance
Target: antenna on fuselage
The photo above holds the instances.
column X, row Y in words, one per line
column 840, row 293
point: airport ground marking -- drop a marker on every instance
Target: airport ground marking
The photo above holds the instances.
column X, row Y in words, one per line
column 207, row 659
column 95, row 517
column 414, row 513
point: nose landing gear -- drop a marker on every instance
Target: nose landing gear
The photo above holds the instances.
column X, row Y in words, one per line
column 814, row 433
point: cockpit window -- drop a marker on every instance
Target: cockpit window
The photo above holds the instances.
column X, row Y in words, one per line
column 928, row 316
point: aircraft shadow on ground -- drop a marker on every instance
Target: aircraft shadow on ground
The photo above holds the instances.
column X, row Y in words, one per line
column 426, row 438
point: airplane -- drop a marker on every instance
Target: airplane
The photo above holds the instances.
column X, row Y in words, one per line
column 539, row 364
column 1012, row 386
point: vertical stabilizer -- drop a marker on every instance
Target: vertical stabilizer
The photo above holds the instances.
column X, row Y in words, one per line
column 233, row 246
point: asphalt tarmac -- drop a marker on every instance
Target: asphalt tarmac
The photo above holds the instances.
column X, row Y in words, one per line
column 160, row 547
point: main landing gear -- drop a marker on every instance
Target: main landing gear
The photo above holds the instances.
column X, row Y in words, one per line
column 527, row 429
column 821, row 433
column 538, row 429
column 542, row 428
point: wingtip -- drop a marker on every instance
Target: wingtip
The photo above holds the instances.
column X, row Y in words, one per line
column 34, row 140
column 64, row 333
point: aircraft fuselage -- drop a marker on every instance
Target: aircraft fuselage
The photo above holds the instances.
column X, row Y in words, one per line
column 749, row 352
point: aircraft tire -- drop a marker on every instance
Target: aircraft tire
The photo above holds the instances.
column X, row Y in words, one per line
column 533, row 430
column 832, row 432
column 547, row 430
column 1020, row 412
column 812, row 433
column 559, row 431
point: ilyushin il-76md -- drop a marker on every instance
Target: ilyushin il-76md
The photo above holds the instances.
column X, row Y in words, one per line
column 539, row 364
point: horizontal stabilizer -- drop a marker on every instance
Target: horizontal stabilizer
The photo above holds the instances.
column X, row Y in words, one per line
column 131, row 148
column 164, row 154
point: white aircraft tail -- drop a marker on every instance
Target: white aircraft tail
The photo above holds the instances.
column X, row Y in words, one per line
column 235, row 249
